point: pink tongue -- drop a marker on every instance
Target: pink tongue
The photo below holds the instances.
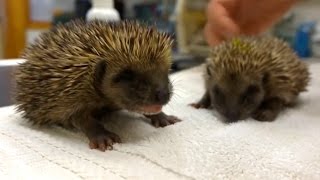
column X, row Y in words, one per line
column 152, row 108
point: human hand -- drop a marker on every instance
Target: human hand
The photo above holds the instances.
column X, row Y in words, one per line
column 229, row 18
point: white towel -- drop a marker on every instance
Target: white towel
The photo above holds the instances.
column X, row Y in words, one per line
column 200, row 147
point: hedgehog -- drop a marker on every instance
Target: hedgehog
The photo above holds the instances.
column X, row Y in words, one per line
column 78, row 72
column 252, row 77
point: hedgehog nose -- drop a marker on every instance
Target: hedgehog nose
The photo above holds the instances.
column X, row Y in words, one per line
column 162, row 96
column 232, row 116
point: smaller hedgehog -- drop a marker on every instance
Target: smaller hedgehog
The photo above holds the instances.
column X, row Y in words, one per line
column 253, row 77
column 77, row 72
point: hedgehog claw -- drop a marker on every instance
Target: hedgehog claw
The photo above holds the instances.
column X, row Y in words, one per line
column 104, row 141
column 204, row 103
column 198, row 106
column 162, row 120
column 269, row 110
column 265, row 115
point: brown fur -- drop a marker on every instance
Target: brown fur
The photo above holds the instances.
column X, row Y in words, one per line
column 78, row 71
column 253, row 76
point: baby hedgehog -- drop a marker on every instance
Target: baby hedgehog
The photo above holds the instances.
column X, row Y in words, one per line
column 252, row 77
column 77, row 72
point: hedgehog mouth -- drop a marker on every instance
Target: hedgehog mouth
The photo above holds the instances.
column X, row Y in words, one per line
column 149, row 109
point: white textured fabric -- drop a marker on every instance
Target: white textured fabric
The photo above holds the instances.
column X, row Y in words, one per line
column 200, row 147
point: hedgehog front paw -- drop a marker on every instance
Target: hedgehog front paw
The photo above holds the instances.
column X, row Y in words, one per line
column 104, row 141
column 268, row 110
column 265, row 115
column 162, row 120
column 204, row 103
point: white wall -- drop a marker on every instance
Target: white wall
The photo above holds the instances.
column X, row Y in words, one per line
column 307, row 10
column 129, row 11
column 32, row 34
column 46, row 14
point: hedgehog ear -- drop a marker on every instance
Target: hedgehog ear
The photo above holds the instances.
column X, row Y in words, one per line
column 265, row 78
column 208, row 61
column 209, row 70
column 99, row 71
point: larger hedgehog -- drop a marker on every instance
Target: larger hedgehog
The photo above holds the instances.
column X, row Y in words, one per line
column 253, row 77
column 77, row 72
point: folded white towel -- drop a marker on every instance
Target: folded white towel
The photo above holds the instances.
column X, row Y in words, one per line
column 200, row 147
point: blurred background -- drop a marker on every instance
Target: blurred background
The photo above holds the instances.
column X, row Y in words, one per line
column 21, row 21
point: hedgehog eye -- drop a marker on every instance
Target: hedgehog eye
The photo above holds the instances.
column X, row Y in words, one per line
column 124, row 76
column 218, row 95
column 250, row 93
column 217, row 91
column 252, row 89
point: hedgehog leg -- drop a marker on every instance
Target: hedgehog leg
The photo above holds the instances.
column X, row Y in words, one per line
column 162, row 120
column 99, row 137
column 269, row 109
column 204, row 102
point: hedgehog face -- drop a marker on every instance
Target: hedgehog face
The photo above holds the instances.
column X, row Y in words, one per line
column 140, row 91
column 236, row 96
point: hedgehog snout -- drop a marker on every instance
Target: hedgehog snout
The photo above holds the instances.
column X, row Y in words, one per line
column 162, row 95
column 232, row 116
